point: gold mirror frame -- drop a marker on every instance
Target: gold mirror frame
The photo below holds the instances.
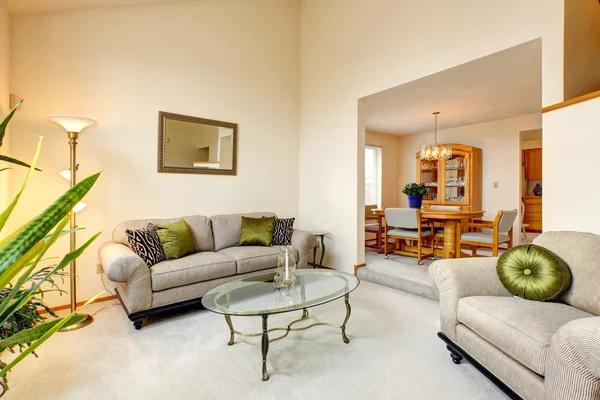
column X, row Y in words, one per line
column 163, row 116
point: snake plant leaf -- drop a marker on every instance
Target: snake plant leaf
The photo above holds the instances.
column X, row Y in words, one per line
column 8, row 308
column 21, row 263
column 4, row 216
column 4, row 123
column 64, row 232
column 43, row 223
column 15, row 161
column 33, row 334
column 45, row 337
column 8, row 238
column 13, row 234
column 31, row 266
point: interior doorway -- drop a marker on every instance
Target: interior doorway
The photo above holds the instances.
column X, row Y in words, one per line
column 531, row 184
column 485, row 104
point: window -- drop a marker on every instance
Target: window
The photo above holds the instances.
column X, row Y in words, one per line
column 373, row 176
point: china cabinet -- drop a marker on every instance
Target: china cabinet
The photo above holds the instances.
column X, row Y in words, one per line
column 453, row 182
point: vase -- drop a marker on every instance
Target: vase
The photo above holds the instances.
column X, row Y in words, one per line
column 285, row 275
column 415, row 201
column 537, row 190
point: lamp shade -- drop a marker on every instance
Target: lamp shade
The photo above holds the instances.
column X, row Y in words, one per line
column 79, row 206
column 71, row 123
column 65, row 174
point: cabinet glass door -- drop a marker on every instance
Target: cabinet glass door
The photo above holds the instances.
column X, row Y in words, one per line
column 429, row 177
column 456, row 179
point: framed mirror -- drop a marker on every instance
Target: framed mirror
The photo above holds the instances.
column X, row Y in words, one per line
column 192, row 145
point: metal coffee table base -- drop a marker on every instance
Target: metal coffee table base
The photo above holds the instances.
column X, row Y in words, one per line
column 266, row 330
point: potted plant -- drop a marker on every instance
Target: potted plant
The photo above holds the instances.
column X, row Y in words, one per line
column 21, row 252
column 415, row 193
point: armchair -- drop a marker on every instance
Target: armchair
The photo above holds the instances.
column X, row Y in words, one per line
column 532, row 350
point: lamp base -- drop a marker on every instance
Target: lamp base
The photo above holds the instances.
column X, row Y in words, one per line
column 84, row 322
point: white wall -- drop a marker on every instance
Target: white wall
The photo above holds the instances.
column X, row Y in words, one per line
column 229, row 60
column 353, row 49
column 570, row 179
column 500, row 142
column 4, row 97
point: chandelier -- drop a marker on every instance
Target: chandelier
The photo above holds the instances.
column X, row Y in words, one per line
column 436, row 151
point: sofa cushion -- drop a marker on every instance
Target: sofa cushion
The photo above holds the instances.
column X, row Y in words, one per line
column 283, row 229
column 533, row 273
column 198, row 267
column 253, row 258
column 199, row 225
column 581, row 252
column 177, row 239
column 257, row 231
column 146, row 244
column 519, row 328
column 227, row 228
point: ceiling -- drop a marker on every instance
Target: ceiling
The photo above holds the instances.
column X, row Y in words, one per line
column 32, row 6
column 502, row 85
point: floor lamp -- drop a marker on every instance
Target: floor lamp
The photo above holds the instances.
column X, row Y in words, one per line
column 73, row 125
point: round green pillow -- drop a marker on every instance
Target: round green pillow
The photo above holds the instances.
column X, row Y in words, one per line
column 533, row 272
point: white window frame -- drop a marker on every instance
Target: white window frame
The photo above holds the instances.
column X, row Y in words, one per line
column 378, row 172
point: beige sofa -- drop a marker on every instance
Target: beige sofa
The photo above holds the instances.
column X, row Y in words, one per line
column 182, row 282
column 532, row 350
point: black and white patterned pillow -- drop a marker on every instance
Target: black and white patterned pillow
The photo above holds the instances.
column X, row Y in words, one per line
column 282, row 231
column 146, row 244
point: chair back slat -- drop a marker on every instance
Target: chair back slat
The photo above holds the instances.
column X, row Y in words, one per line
column 402, row 217
column 507, row 220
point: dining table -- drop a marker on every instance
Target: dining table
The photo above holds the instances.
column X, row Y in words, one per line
column 448, row 219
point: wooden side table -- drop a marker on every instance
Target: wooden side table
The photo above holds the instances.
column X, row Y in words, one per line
column 322, row 236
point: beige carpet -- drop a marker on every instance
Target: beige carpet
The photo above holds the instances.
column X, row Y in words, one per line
column 393, row 354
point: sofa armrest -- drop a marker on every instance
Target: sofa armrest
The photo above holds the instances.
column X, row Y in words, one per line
column 464, row 277
column 124, row 266
column 304, row 242
column 121, row 263
column 573, row 363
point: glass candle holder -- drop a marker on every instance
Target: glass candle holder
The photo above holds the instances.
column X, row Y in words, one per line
column 285, row 275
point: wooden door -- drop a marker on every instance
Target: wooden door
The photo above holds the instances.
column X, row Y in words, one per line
column 533, row 164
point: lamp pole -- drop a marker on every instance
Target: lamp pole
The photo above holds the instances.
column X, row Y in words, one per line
column 73, row 125
column 73, row 136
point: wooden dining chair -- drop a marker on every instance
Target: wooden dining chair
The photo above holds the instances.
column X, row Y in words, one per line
column 523, row 226
column 373, row 226
column 404, row 224
column 501, row 232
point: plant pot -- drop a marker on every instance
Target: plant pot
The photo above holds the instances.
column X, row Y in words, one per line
column 415, row 201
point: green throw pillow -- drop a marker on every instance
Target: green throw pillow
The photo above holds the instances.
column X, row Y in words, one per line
column 257, row 231
column 533, row 272
column 176, row 239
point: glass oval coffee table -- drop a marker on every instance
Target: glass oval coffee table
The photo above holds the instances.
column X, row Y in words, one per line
column 256, row 296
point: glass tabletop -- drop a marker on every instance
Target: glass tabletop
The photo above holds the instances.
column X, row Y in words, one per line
column 257, row 296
